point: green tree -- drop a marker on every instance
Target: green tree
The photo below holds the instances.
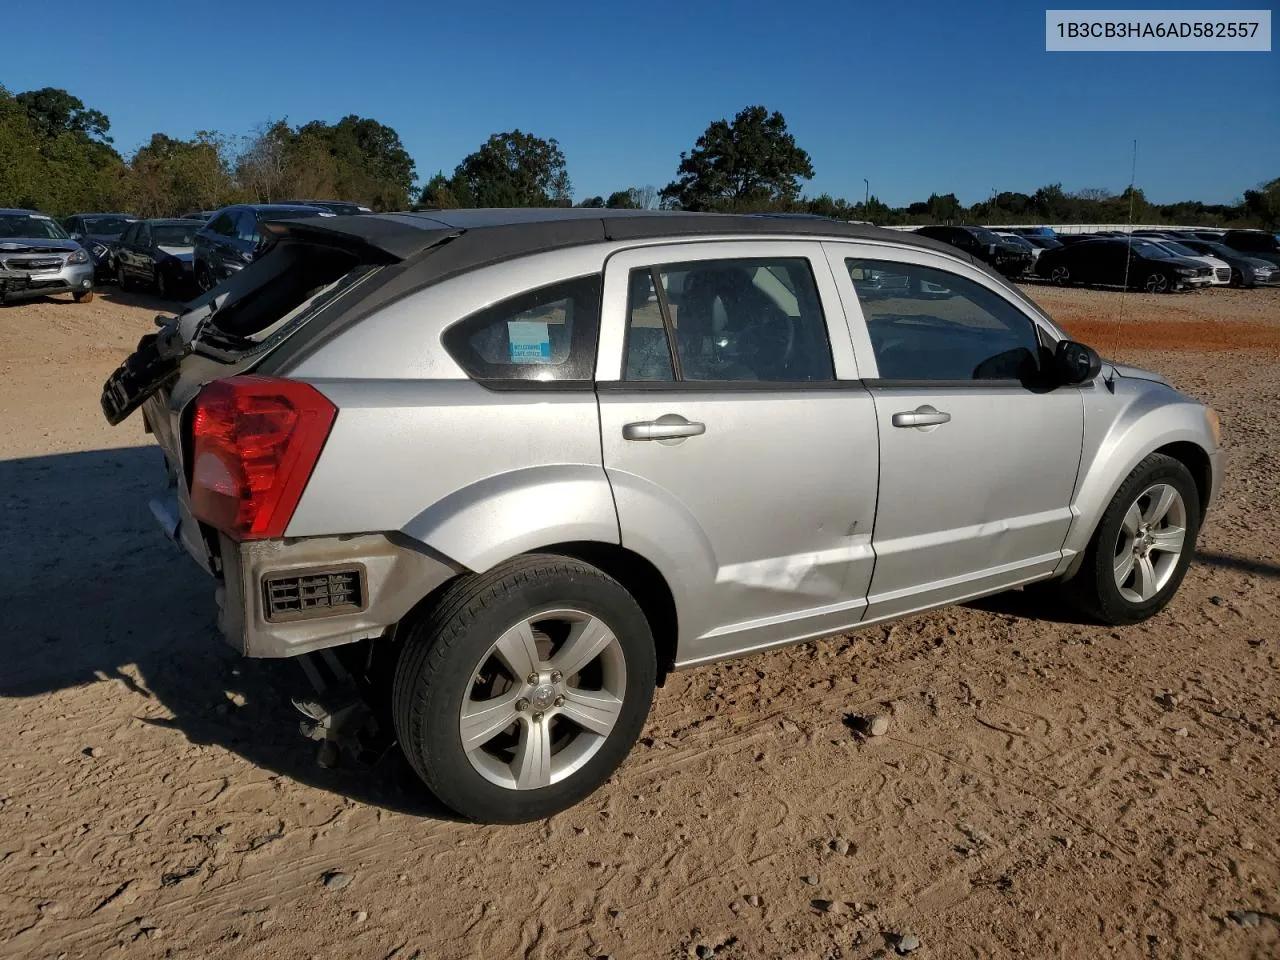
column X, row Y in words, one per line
column 623, row 200
column 750, row 162
column 1263, row 205
column 592, row 202
column 52, row 111
column 438, row 194
column 513, row 169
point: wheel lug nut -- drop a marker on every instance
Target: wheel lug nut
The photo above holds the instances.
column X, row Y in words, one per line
column 556, row 676
column 522, row 705
column 537, row 718
column 559, row 701
column 532, row 679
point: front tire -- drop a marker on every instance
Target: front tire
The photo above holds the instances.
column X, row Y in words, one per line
column 522, row 689
column 161, row 285
column 85, row 296
column 204, row 278
column 1061, row 276
column 1143, row 545
column 1158, row 283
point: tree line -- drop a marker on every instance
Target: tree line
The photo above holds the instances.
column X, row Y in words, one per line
column 57, row 155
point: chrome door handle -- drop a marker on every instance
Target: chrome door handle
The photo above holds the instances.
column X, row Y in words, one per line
column 669, row 426
column 925, row 416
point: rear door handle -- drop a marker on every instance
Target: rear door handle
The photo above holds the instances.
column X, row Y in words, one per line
column 925, row 416
column 669, row 426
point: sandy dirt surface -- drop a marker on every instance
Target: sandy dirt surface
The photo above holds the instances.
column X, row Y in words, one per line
column 1046, row 788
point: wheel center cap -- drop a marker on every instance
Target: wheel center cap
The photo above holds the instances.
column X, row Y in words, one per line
column 543, row 695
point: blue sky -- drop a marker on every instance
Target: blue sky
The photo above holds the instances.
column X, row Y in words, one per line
column 916, row 97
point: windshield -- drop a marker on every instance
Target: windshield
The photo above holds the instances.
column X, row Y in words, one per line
column 174, row 234
column 983, row 234
column 1217, row 249
column 106, row 226
column 1148, row 249
column 1178, row 248
column 29, row 225
column 295, row 213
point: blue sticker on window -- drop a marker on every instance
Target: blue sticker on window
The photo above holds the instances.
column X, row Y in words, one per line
column 530, row 341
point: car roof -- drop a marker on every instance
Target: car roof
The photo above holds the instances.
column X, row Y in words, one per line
column 20, row 210
column 176, row 221
column 501, row 233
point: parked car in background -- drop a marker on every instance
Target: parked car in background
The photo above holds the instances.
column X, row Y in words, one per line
column 1255, row 243
column 234, row 236
column 979, row 242
column 1108, row 262
column 201, row 215
column 158, row 254
column 1246, row 271
column 1042, row 243
column 340, row 207
column 1035, row 231
column 1020, row 241
column 488, row 484
column 39, row 258
column 99, row 233
column 1221, row 270
column 1067, row 239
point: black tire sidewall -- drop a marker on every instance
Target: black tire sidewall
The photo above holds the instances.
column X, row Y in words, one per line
column 1109, row 604
column 429, row 689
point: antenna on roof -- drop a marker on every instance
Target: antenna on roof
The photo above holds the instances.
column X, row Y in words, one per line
column 1128, row 253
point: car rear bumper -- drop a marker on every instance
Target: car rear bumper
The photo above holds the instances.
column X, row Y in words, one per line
column 283, row 598
column 24, row 285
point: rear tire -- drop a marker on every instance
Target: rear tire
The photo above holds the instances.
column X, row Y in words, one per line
column 1130, row 572
column 204, row 279
column 528, row 757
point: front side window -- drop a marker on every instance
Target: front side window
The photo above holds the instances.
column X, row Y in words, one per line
column 751, row 319
column 247, row 226
column 933, row 325
column 547, row 335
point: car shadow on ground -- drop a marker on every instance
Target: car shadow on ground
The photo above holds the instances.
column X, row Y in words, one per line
column 97, row 594
column 145, row 299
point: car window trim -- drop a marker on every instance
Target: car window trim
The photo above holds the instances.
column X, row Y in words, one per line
column 724, row 386
column 664, row 307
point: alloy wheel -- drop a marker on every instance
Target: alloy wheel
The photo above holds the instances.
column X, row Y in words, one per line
column 544, row 699
column 1157, row 283
column 1150, row 542
column 1060, row 276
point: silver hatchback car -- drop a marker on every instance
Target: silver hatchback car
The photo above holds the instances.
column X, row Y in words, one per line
column 499, row 471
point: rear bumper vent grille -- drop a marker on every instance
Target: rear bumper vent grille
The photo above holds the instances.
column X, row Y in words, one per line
column 301, row 595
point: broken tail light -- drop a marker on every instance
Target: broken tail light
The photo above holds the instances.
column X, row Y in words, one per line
column 255, row 441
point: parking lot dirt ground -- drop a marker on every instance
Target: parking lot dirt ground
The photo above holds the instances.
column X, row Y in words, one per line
column 1046, row 787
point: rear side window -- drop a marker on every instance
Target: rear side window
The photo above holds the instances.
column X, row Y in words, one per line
column 755, row 320
column 547, row 335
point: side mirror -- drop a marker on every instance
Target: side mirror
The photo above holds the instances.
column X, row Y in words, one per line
column 1076, row 362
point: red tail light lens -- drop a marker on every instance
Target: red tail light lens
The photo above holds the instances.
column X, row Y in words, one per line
column 255, row 442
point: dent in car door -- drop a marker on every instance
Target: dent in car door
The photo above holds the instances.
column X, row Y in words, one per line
column 744, row 469
column 977, row 469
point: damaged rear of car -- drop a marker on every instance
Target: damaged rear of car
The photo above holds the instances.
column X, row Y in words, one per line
column 240, row 444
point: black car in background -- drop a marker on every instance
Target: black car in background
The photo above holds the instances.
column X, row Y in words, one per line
column 99, row 233
column 1010, row 259
column 234, row 236
column 158, row 254
column 1246, row 270
column 1109, row 262
column 201, row 215
column 340, row 207
column 1253, row 243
